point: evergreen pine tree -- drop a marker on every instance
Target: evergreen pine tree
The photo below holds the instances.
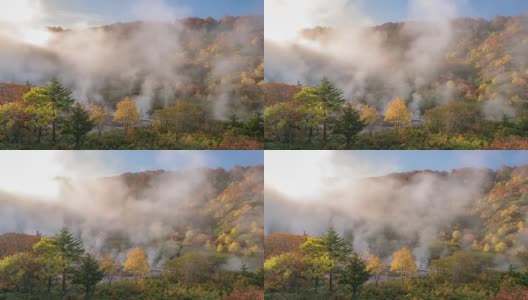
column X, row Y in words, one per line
column 70, row 251
column 354, row 274
column 78, row 124
column 332, row 100
column 348, row 123
column 338, row 250
column 87, row 274
column 62, row 100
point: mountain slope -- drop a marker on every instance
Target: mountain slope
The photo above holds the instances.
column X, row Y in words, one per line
column 167, row 213
column 476, row 60
column 432, row 213
column 12, row 92
column 217, row 62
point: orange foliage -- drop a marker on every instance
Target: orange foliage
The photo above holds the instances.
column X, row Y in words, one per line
column 12, row 92
column 241, row 142
column 12, row 243
column 509, row 144
column 278, row 243
column 279, row 92
column 517, row 293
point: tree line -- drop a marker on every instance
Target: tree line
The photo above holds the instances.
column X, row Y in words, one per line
column 327, row 267
column 320, row 117
column 322, row 113
column 50, row 117
column 330, row 260
column 59, row 266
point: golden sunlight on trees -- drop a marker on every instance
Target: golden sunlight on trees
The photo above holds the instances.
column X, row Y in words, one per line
column 398, row 113
column 375, row 266
column 98, row 117
column 403, row 264
column 284, row 271
column 127, row 114
column 12, row 117
column 369, row 116
column 137, row 263
column 109, row 266
column 40, row 110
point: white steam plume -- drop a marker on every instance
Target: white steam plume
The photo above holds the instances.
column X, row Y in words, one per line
column 149, row 60
column 379, row 214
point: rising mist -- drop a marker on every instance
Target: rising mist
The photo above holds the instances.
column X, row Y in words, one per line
column 375, row 63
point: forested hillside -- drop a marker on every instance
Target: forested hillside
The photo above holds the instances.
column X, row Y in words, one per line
column 197, row 233
column 194, row 84
column 405, row 239
column 460, row 85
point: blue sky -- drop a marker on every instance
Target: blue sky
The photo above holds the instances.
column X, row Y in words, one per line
column 136, row 161
column 304, row 173
column 65, row 12
column 397, row 10
column 446, row 160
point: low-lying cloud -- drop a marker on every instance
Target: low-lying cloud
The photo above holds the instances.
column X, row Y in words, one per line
column 379, row 214
column 109, row 214
column 337, row 39
column 152, row 60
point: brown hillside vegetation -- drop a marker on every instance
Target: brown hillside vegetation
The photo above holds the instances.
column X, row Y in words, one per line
column 224, row 216
column 11, row 243
column 275, row 92
column 281, row 242
column 12, row 92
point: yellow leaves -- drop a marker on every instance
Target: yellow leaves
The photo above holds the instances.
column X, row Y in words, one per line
column 126, row 114
column 309, row 96
column 501, row 231
column 520, row 225
column 375, row 265
column 500, row 247
column 506, row 59
column 136, row 263
column 12, row 113
column 255, row 250
column 403, row 263
column 487, row 248
column 456, row 235
column 314, row 246
column 189, row 235
column 184, row 117
column 281, row 268
column 398, row 113
column 234, row 247
column 476, row 246
column 97, row 114
column 369, row 115
column 234, row 231
column 246, row 80
column 259, row 72
column 37, row 96
column 108, row 265
column 494, row 240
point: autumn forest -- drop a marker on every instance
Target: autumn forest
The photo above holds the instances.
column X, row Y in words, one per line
column 264, row 150
column 414, row 235
column 195, row 234
column 203, row 92
column 455, row 84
